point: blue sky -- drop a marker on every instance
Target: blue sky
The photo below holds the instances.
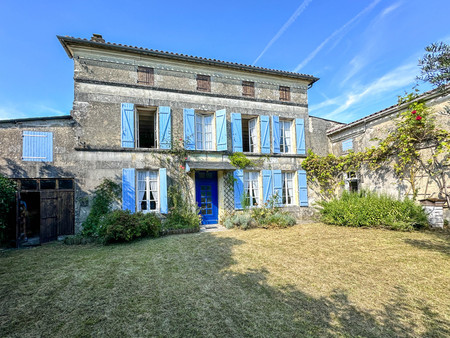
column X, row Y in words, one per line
column 365, row 52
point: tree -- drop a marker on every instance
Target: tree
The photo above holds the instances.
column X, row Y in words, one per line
column 7, row 196
column 435, row 64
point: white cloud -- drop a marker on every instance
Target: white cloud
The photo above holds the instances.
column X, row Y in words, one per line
column 286, row 25
column 334, row 34
column 9, row 111
column 391, row 82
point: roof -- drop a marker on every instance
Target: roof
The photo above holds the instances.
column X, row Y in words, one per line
column 98, row 42
column 30, row 119
column 389, row 110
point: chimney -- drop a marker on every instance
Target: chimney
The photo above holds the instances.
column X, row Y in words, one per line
column 97, row 38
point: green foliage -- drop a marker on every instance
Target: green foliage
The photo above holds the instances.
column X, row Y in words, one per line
column 124, row 226
column 269, row 215
column 105, row 195
column 245, row 201
column 240, row 161
column 182, row 213
column 435, row 64
column 7, row 196
column 367, row 209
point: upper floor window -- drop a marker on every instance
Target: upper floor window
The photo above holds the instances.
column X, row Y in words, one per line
column 285, row 137
column 285, row 93
column 203, row 83
column 347, row 145
column 204, row 131
column 248, row 88
column 249, row 134
column 147, row 191
column 37, row 146
column 251, row 187
column 287, row 179
column 146, row 127
column 145, row 75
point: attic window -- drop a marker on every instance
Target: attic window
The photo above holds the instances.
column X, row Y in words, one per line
column 248, row 88
column 285, row 93
column 203, row 83
column 145, row 75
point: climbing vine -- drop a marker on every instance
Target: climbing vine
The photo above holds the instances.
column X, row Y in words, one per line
column 415, row 144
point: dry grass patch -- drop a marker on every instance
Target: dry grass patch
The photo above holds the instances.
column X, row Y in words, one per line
column 307, row 280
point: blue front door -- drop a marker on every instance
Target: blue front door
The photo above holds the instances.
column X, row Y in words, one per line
column 206, row 196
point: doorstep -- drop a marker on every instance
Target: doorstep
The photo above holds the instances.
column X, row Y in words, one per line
column 211, row 228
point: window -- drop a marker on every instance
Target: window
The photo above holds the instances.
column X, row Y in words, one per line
column 147, row 191
column 204, row 131
column 204, row 83
column 347, row 145
column 249, row 135
column 352, row 181
column 285, row 137
column 251, row 187
column 37, row 146
column 147, row 127
column 288, row 188
column 285, row 93
column 145, row 75
column 248, row 88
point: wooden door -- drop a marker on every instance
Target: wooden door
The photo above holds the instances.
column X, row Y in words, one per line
column 49, row 215
column 65, row 213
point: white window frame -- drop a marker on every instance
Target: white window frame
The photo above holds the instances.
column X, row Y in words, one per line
column 287, row 176
column 253, row 134
column 136, row 126
column 285, row 137
column 200, row 121
column 252, row 188
column 148, row 180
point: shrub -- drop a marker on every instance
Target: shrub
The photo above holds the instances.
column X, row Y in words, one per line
column 182, row 213
column 241, row 220
column 105, row 195
column 7, row 197
column 124, row 226
column 279, row 220
column 367, row 209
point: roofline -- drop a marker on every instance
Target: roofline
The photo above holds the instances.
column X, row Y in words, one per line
column 431, row 94
column 67, row 40
column 29, row 119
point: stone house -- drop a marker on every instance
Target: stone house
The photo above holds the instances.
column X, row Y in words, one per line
column 131, row 105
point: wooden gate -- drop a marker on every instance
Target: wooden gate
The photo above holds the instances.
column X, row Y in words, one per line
column 49, row 215
column 65, row 213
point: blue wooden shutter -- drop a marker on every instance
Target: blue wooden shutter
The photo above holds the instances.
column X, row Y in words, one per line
column 128, row 189
column 189, row 128
column 300, row 135
column 165, row 128
column 37, row 146
column 221, row 129
column 267, row 185
column 347, row 145
column 163, row 191
column 276, row 134
column 265, row 134
column 127, row 125
column 302, row 188
column 238, row 187
column 236, row 131
column 277, row 185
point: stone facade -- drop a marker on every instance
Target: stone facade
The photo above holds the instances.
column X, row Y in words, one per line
column 366, row 133
column 87, row 144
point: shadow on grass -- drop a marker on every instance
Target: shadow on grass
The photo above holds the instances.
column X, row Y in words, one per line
column 441, row 244
column 180, row 286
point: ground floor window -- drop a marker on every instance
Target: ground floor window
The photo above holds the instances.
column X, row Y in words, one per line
column 251, row 187
column 147, row 191
column 288, row 188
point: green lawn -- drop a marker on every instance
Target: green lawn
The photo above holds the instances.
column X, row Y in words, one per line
column 307, row 280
